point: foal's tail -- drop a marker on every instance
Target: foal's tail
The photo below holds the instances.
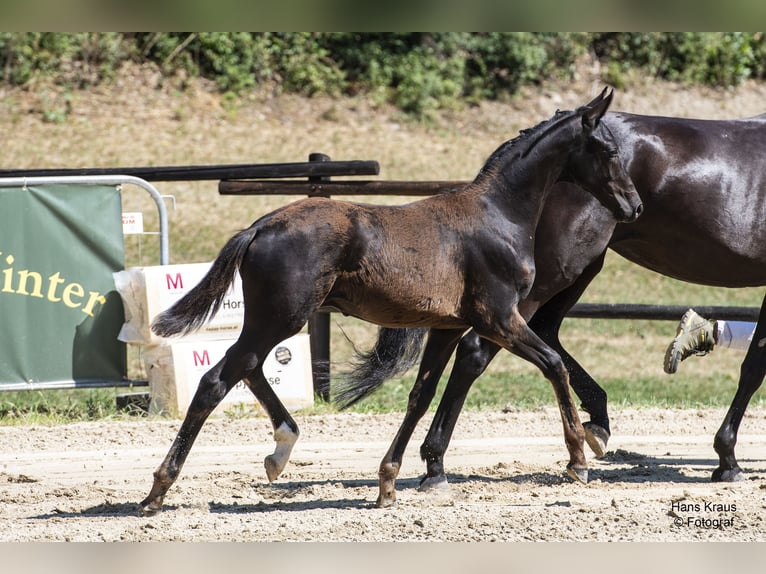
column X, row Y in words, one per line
column 395, row 351
column 191, row 311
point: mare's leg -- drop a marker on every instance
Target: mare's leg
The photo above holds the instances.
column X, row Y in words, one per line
column 472, row 357
column 438, row 350
column 750, row 379
column 212, row 388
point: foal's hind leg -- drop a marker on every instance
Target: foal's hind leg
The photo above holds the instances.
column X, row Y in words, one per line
column 438, row 350
column 473, row 356
column 285, row 428
column 211, row 390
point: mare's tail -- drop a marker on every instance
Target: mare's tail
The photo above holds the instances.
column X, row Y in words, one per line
column 203, row 301
column 395, row 351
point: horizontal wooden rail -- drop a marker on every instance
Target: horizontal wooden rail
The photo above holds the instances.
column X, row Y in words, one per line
column 215, row 172
column 352, row 187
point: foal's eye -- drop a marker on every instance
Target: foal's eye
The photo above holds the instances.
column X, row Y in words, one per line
column 612, row 153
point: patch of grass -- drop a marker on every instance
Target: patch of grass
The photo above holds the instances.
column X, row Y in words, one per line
column 529, row 391
column 50, row 407
column 681, row 392
column 624, row 356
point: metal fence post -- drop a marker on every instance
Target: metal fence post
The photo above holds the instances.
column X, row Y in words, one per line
column 319, row 326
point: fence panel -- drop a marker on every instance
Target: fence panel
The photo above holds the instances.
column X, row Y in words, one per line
column 61, row 238
column 59, row 246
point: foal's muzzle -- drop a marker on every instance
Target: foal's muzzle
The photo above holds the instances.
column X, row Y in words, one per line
column 637, row 211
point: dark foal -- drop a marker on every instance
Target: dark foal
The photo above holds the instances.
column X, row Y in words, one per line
column 455, row 261
column 703, row 186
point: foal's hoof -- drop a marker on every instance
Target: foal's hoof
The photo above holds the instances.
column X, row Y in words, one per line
column 386, row 500
column 273, row 467
column 728, row 475
column 149, row 508
column 429, row 483
column 596, row 436
column 578, row 474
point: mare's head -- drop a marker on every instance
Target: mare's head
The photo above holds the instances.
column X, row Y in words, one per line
column 596, row 165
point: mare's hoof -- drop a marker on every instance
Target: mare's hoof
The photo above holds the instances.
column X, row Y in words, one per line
column 578, row 474
column 728, row 475
column 597, row 437
column 429, row 483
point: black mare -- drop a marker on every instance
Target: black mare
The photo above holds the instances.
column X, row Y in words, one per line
column 458, row 260
column 703, row 187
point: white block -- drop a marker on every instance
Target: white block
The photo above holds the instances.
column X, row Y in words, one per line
column 147, row 291
column 174, row 371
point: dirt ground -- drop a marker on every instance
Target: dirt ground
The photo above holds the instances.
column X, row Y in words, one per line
column 82, row 482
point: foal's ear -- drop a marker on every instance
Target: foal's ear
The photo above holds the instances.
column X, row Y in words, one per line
column 596, row 109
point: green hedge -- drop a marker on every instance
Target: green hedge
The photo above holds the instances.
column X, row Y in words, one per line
column 419, row 72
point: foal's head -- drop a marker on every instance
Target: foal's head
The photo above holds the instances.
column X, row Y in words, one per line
column 596, row 165
column 572, row 146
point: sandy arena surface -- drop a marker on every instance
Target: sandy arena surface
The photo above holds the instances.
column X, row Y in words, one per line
column 82, row 482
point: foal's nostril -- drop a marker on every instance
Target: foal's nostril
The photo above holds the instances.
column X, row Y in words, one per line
column 639, row 209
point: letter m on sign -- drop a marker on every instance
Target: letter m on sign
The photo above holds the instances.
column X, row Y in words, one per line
column 176, row 282
column 203, row 359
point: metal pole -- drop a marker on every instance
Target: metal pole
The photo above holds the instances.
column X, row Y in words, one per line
column 660, row 312
column 319, row 325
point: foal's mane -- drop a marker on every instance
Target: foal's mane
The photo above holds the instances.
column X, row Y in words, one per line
column 531, row 136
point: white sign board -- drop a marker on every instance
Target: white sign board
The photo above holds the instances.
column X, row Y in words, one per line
column 174, row 372
column 147, row 291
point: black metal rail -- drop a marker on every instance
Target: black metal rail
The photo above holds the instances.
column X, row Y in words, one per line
column 660, row 312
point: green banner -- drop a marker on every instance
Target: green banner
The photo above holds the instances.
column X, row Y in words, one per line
column 59, row 310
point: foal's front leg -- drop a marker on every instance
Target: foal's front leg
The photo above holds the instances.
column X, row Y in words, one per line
column 546, row 322
column 211, row 390
column 523, row 342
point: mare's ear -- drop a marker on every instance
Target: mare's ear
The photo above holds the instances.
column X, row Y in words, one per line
column 598, row 98
column 596, row 109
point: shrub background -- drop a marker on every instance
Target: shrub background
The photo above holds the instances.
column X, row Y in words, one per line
column 418, row 72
